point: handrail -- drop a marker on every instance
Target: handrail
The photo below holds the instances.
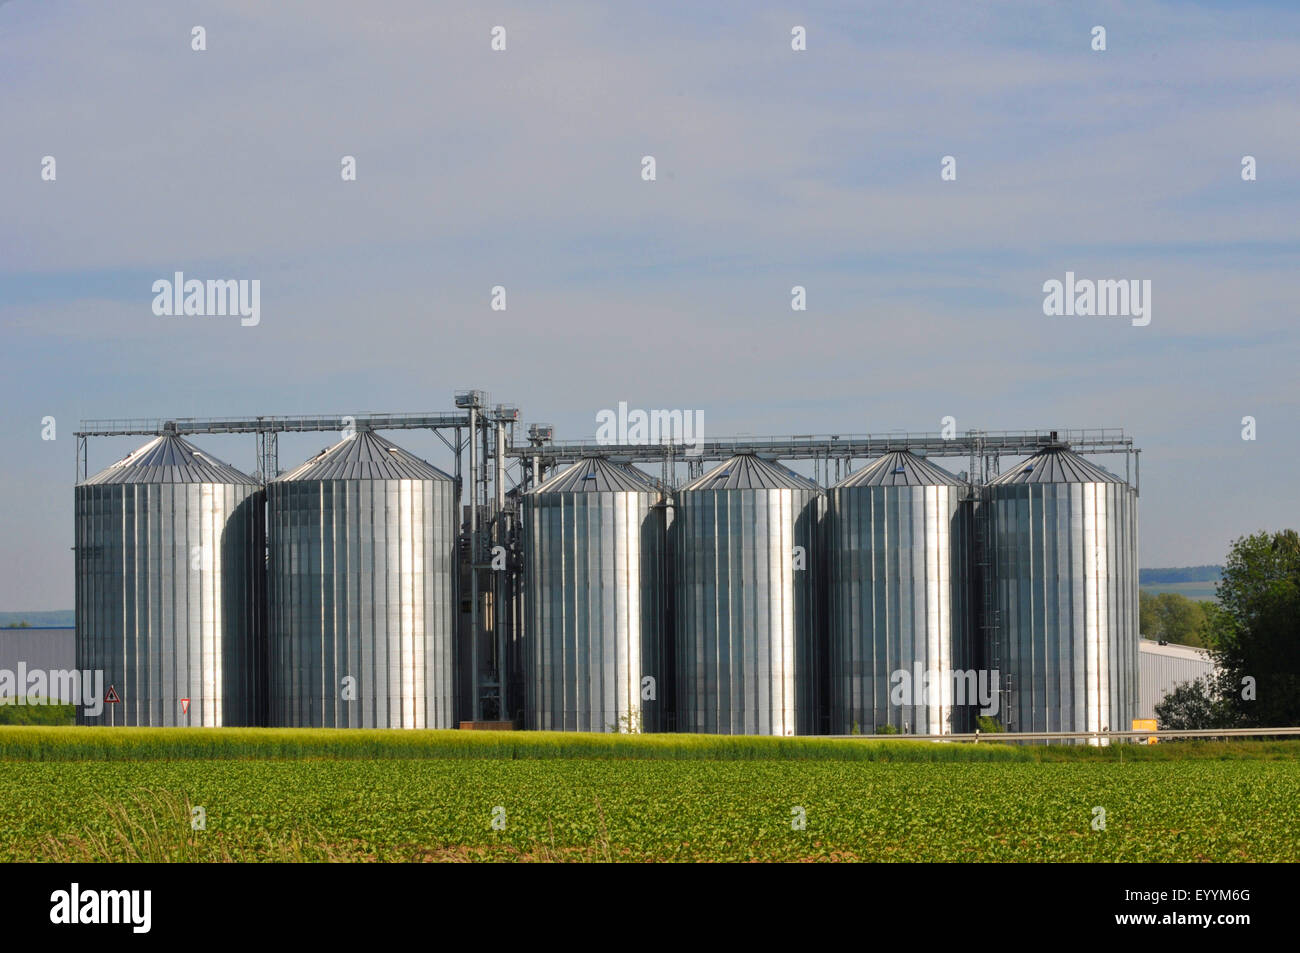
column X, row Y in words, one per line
column 1000, row 736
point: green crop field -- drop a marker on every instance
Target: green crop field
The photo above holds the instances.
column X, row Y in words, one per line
column 650, row 810
column 130, row 794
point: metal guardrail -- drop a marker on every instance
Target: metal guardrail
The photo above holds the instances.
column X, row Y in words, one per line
column 997, row 737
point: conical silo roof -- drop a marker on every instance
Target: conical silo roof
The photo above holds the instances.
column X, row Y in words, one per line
column 364, row 456
column 169, row 459
column 598, row 475
column 748, row 471
column 900, row 468
column 1056, row 465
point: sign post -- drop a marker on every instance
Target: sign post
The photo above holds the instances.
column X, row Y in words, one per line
column 112, row 699
column 1145, row 724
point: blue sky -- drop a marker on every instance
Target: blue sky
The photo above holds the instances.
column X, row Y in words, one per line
column 775, row 168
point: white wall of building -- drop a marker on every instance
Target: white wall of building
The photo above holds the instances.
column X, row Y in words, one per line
column 1162, row 668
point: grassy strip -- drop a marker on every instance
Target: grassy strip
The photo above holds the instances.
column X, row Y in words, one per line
column 1238, row 749
column 168, row 744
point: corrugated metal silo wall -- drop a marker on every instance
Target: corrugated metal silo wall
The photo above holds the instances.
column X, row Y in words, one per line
column 1066, row 581
column 747, row 622
column 897, row 591
column 362, row 586
column 595, row 621
column 169, row 601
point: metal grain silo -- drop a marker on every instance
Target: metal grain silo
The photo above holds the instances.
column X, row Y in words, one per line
column 362, row 556
column 595, row 558
column 897, row 598
column 746, row 600
column 1064, row 553
column 170, row 562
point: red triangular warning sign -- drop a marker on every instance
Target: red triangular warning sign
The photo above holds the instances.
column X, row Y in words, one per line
column 185, row 705
column 111, row 697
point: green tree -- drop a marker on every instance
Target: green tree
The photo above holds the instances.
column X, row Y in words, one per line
column 1195, row 706
column 1173, row 618
column 1149, row 622
column 1254, row 630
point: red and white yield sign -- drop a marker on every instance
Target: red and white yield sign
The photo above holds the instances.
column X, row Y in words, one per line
column 185, row 705
column 111, row 697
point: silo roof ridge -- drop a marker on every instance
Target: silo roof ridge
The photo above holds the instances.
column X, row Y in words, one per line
column 748, row 471
column 900, row 468
column 169, row 458
column 1056, row 465
column 596, row 474
column 364, row 456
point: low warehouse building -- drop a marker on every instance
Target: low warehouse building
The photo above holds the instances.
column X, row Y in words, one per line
column 1163, row 667
column 48, row 649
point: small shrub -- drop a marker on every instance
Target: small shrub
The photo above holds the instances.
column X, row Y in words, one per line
column 22, row 714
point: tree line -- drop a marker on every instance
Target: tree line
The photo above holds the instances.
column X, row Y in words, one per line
column 1252, row 632
column 1180, row 574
